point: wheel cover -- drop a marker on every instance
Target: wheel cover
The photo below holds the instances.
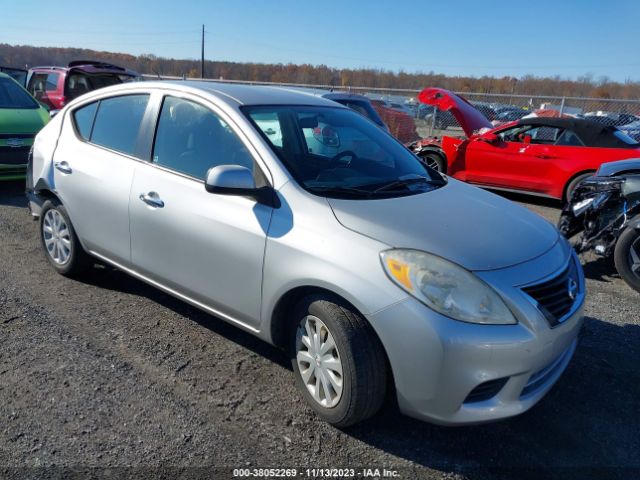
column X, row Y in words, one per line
column 319, row 361
column 57, row 237
column 634, row 257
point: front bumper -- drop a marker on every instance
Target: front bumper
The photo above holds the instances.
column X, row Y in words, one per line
column 439, row 364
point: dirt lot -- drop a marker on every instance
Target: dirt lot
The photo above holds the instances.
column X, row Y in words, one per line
column 109, row 372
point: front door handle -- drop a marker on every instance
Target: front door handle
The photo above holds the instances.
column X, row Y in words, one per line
column 542, row 155
column 152, row 199
column 63, row 167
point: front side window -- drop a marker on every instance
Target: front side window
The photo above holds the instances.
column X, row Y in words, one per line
column 191, row 139
column 118, row 121
column 337, row 152
column 13, row 96
column 535, row 134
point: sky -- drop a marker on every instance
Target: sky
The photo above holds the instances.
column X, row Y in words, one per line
column 569, row 38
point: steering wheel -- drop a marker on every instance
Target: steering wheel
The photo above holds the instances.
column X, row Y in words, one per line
column 346, row 153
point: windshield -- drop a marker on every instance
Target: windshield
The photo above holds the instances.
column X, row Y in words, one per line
column 13, row 95
column 336, row 152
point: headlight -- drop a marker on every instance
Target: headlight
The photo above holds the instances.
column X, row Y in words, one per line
column 581, row 206
column 445, row 287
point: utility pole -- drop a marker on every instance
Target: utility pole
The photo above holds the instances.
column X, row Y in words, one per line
column 202, row 57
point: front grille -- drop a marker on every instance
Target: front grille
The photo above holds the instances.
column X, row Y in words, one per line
column 555, row 298
column 486, row 390
column 14, row 156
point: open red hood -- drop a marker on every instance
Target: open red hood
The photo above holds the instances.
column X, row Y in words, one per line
column 466, row 114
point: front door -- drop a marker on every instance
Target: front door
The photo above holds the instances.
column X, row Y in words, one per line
column 520, row 159
column 208, row 247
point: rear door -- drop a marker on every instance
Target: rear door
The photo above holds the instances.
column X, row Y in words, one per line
column 93, row 169
column 207, row 247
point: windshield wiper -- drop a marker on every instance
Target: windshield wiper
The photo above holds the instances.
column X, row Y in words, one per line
column 395, row 184
column 338, row 189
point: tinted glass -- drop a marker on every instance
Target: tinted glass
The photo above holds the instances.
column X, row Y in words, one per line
column 363, row 108
column 43, row 82
column 79, row 83
column 569, row 139
column 13, row 96
column 337, row 152
column 191, row 139
column 118, row 121
column 84, row 119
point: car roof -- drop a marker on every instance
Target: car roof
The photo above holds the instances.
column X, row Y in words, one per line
column 591, row 133
column 234, row 94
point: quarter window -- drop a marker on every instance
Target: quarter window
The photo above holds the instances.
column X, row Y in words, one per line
column 83, row 118
column 191, row 139
column 118, row 121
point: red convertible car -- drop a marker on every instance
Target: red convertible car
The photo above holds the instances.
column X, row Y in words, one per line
column 541, row 156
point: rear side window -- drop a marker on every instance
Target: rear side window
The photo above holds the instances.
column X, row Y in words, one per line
column 43, row 82
column 118, row 121
column 83, row 118
column 191, row 139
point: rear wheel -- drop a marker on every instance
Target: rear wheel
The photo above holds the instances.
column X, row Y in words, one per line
column 627, row 257
column 338, row 361
column 435, row 161
column 59, row 240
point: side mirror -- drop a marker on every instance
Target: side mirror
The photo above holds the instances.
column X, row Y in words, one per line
column 237, row 180
column 230, row 180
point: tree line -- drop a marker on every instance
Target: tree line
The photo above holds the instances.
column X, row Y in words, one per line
column 584, row 86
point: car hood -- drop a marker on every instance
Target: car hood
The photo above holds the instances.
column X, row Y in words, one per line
column 476, row 229
column 22, row 120
column 469, row 118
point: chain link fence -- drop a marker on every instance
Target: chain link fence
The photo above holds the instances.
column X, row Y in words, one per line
column 397, row 107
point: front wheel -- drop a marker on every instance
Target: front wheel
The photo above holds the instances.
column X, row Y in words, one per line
column 435, row 161
column 573, row 184
column 627, row 257
column 338, row 361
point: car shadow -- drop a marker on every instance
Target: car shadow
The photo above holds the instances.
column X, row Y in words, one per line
column 586, row 426
column 531, row 199
column 110, row 278
column 587, row 423
column 12, row 193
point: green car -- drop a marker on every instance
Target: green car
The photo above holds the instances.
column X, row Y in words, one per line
column 21, row 118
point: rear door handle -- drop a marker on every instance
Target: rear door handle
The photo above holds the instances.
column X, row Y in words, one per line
column 63, row 167
column 152, row 199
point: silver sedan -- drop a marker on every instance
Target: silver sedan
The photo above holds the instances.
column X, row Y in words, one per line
column 302, row 222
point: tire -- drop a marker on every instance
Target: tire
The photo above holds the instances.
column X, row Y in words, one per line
column 59, row 241
column 627, row 257
column 435, row 161
column 571, row 186
column 358, row 352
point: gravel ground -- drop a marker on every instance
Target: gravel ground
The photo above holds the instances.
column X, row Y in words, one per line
column 109, row 372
